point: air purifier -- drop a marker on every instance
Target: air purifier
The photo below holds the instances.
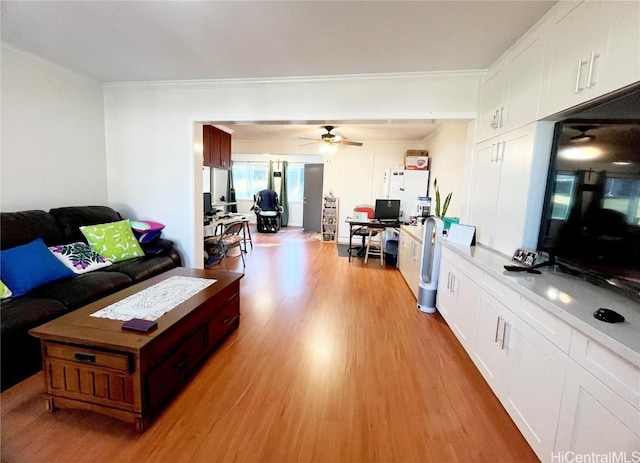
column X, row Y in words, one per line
column 429, row 264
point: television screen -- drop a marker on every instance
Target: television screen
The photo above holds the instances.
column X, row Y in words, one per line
column 591, row 216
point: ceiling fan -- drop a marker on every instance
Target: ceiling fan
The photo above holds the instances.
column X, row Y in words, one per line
column 330, row 139
column 583, row 137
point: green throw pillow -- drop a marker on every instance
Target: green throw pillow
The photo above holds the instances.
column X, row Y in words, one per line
column 5, row 292
column 114, row 241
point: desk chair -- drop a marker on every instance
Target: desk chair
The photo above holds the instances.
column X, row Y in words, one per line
column 217, row 247
column 367, row 233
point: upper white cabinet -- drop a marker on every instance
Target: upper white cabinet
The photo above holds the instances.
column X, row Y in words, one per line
column 501, row 189
column 594, row 48
column 511, row 89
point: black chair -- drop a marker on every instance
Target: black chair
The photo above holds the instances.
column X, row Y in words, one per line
column 268, row 211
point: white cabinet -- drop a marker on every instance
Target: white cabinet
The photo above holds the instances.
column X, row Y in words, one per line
column 501, row 188
column 446, row 295
column 594, row 48
column 524, row 369
column 410, row 250
column 594, row 418
column 511, row 89
column 458, row 296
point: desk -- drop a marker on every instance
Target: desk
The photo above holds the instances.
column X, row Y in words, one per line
column 358, row 224
column 217, row 225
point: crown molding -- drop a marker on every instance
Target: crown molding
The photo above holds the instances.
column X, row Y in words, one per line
column 381, row 78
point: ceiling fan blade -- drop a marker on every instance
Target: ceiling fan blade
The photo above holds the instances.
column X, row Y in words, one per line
column 349, row 142
column 305, row 138
column 312, row 143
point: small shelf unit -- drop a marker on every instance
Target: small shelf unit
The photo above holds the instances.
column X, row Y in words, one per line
column 330, row 219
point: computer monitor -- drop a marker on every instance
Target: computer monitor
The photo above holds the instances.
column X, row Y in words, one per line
column 387, row 209
column 206, row 200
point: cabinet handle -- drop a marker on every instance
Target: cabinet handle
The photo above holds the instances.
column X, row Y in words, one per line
column 491, row 152
column 84, row 358
column 504, row 335
column 453, row 283
column 500, row 157
column 578, row 76
column 449, row 281
column 500, row 116
column 497, row 329
column 590, row 75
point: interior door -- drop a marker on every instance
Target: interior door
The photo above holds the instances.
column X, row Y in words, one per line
column 312, row 201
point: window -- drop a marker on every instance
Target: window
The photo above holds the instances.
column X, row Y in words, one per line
column 249, row 178
column 295, row 182
column 563, row 196
column 623, row 195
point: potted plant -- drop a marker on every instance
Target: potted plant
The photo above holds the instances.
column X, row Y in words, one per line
column 447, row 221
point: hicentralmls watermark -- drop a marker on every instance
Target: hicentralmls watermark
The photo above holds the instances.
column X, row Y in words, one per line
column 593, row 457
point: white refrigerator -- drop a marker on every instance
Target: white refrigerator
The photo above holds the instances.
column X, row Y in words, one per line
column 407, row 186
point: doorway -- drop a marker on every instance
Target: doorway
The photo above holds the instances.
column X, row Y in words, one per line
column 312, row 201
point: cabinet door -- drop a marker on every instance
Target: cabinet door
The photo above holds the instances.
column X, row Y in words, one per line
column 485, row 190
column 514, row 158
column 214, row 147
column 206, row 145
column 414, row 271
column 489, row 354
column 571, row 38
column 465, row 321
column 446, row 296
column 492, row 105
column 225, row 150
column 616, row 56
column 593, row 418
column 404, row 254
column 531, row 388
column 525, row 80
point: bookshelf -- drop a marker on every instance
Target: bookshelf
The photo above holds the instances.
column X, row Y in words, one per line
column 330, row 219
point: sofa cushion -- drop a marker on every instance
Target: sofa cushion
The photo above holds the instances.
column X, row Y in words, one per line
column 24, row 313
column 23, row 227
column 79, row 257
column 70, row 219
column 26, row 267
column 114, row 240
column 143, row 268
column 84, row 289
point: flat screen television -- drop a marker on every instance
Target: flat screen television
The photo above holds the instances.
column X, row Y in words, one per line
column 591, row 216
column 387, row 209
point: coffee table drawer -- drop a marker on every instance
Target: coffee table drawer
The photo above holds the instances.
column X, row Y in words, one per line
column 77, row 354
column 223, row 322
column 174, row 369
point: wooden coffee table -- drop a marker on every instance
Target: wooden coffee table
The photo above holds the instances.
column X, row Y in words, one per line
column 93, row 364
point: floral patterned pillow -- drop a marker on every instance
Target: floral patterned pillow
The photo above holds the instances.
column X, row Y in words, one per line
column 5, row 292
column 114, row 241
column 79, row 257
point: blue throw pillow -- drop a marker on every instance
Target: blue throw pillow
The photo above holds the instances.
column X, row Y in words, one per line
column 26, row 267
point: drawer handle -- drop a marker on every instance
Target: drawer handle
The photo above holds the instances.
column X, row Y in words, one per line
column 182, row 362
column 225, row 320
column 84, row 358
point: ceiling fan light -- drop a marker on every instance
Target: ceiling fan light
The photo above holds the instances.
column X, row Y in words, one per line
column 582, row 138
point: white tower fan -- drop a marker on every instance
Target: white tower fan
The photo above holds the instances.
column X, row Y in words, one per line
column 429, row 264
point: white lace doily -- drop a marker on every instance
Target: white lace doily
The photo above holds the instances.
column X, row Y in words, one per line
column 156, row 300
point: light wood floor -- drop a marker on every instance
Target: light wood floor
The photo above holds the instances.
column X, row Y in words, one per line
column 332, row 363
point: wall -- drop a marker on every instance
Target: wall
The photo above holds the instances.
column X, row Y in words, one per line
column 448, row 150
column 150, row 130
column 53, row 139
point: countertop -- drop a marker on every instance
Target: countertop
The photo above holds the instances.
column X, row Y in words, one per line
column 568, row 297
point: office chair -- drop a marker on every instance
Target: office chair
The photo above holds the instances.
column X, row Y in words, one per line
column 267, row 210
column 217, row 247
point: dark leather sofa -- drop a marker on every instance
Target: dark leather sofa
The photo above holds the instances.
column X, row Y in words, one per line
column 20, row 354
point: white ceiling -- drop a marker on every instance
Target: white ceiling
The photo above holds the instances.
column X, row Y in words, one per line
column 121, row 41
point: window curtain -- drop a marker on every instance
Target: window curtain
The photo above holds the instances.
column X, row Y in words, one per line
column 284, row 196
column 231, row 192
column 270, row 176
